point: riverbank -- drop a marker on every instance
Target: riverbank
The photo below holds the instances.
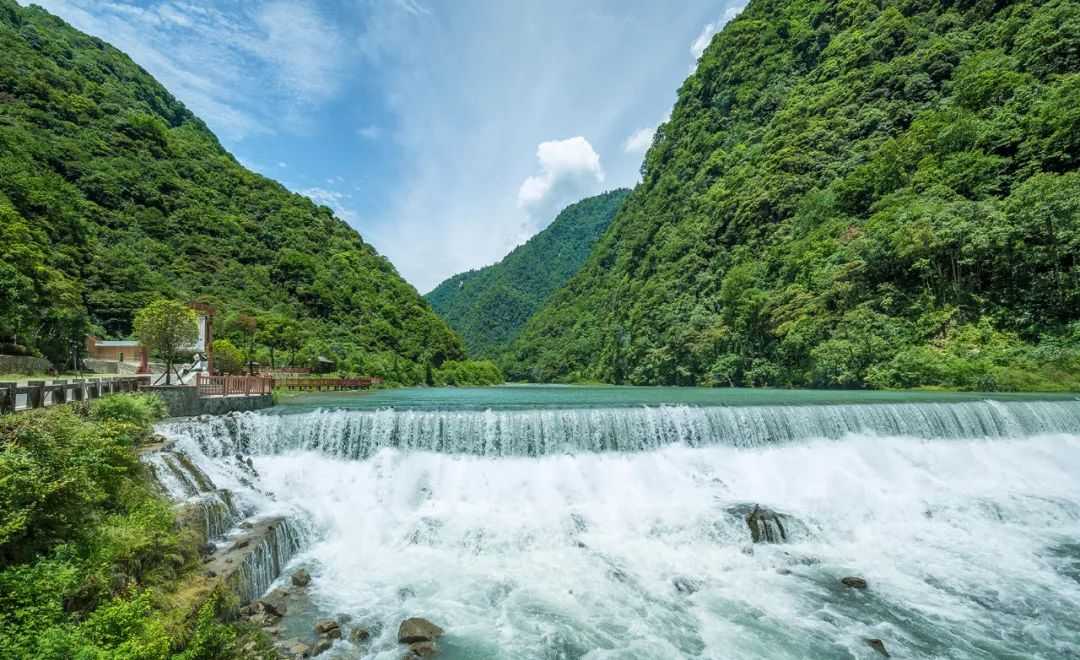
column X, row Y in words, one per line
column 93, row 560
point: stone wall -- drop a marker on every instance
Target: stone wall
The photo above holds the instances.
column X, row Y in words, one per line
column 184, row 401
column 23, row 364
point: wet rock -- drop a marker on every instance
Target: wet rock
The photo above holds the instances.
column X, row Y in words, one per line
column 766, row 526
column 878, row 646
column 343, row 618
column 207, row 549
column 326, row 625
column 328, row 628
column 322, row 646
column 357, row 635
column 415, row 629
column 783, row 571
column 422, row 650
column 242, row 543
column 686, row 585
column 301, row 578
column 211, row 574
column 853, row 582
column 294, row 648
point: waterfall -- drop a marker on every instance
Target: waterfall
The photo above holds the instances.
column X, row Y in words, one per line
column 660, row 531
column 281, row 540
column 360, row 434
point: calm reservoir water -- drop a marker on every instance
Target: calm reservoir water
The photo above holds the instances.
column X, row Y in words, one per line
column 581, row 522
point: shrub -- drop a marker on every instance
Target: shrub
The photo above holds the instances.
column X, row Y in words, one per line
column 139, row 409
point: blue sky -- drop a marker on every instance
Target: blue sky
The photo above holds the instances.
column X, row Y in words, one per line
column 445, row 132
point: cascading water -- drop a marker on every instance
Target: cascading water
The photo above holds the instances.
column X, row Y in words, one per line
column 628, row 532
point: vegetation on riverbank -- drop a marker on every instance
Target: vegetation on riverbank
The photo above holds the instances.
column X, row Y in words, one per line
column 846, row 195
column 113, row 194
column 92, row 564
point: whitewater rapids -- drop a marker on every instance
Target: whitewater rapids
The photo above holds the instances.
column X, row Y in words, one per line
column 970, row 542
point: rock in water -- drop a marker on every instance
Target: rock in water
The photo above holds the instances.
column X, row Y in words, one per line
column 878, row 646
column 686, row 585
column 423, row 650
column 301, row 578
column 853, row 582
column 359, row 635
column 327, row 626
column 321, row 646
column 294, row 648
column 765, row 526
column 415, row 630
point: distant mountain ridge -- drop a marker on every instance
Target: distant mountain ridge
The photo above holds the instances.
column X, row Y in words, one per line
column 488, row 306
column 112, row 193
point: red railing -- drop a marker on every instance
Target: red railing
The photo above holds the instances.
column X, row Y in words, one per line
column 233, row 385
column 317, row 384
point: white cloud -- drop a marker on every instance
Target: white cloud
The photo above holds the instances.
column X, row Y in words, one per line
column 705, row 38
column 570, row 163
column 338, row 201
column 639, row 141
column 370, row 132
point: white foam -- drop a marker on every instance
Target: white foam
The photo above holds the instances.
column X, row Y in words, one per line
column 954, row 537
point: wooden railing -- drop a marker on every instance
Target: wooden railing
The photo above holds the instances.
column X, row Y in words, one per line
column 319, row 384
column 38, row 394
column 233, row 385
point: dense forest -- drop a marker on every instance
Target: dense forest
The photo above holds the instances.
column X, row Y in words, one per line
column 847, row 194
column 113, row 194
column 488, row 306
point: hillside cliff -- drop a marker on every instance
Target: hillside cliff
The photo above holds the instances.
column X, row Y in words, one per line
column 847, row 194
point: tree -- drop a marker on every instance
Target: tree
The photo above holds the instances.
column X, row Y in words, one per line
column 166, row 327
column 227, row 357
column 279, row 332
column 246, row 328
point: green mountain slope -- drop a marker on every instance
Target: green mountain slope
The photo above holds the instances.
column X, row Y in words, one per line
column 488, row 306
column 112, row 193
column 847, row 194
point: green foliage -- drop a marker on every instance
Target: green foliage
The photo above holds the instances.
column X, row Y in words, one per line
column 846, row 195
column 467, row 373
column 141, row 410
column 227, row 357
column 489, row 306
column 113, row 195
column 90, row 555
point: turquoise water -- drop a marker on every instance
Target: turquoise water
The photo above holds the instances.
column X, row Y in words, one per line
column 522, row 397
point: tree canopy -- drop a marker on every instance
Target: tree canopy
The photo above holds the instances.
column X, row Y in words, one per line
column 847, row 194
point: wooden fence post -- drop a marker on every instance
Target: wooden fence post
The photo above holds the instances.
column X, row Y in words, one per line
column 7, row 398
column 36, row 397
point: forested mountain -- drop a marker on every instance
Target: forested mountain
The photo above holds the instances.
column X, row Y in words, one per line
column 112, row 193
column 862, row 193
column 488, row 306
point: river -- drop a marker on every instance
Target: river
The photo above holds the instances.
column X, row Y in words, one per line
column 605, row 522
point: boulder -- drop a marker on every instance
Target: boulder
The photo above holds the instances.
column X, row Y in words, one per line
column 766, row 526
column 878, row 646
column 686, row 585
column 357, row 635
column 321, row 646
column 301, row 578
column 294, row 648
column 422, row 650
column 327, row 626
column 853, row 582
column 415, row 630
